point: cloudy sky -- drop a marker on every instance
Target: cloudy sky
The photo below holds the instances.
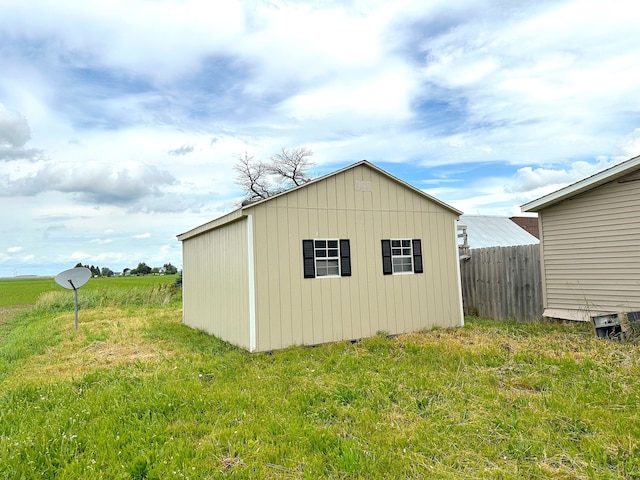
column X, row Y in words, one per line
column 120, row 121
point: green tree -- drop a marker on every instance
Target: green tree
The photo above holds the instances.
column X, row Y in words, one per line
column 169, row 269
column 143, row 269
column 106, row 272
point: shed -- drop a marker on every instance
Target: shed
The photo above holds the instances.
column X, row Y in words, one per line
column 590, row 244
column 342, row 257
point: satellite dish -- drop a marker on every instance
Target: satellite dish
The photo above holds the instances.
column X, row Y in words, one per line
column 73, row 279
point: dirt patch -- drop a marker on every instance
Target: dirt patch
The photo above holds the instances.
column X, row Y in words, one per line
column 103, row 354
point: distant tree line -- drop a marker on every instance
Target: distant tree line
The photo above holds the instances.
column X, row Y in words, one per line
column 141, row 269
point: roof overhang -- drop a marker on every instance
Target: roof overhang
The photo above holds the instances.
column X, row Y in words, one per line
column 582, row 186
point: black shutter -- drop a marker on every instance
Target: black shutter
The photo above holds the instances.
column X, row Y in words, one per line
column 307, row 258
column 387, row 269
column 417, row 256
column 345, row 258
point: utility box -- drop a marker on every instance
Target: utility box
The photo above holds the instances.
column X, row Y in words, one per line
column 607, row 326
column 617, row 325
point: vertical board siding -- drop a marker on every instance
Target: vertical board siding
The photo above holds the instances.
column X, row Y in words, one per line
column 298, row 311
column 503, row 283
column 591, row 251
column 215, row 278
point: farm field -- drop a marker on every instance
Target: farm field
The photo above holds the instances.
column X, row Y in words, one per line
column 134, row 394
column 26, row 290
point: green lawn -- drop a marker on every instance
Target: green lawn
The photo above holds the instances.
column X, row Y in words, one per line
column 134, row 394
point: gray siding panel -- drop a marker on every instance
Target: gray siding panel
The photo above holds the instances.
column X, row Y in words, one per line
column 591, row 251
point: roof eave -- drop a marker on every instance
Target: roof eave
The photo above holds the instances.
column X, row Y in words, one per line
column 582, row 186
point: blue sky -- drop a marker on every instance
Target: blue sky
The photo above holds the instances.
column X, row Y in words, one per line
column 120, row 121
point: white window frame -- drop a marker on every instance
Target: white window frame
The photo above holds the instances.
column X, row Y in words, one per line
column 402, row 255
column 327, row 257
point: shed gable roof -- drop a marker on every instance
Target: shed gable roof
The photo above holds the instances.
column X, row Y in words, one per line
column 589, row 183
column 240, row 212
column 350, row 167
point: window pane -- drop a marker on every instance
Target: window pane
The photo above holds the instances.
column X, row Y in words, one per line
column 395, row 243
column 332, row 244
column 406, row 243
column 332, row 253
column 333, row 270
column 402, row 264
column 327, row 267
column 396, row 251
column 321, row 243
column 321, row 253
column 406, row 251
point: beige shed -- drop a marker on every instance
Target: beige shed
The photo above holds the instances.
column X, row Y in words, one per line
column 590, row 245
column 343, row 257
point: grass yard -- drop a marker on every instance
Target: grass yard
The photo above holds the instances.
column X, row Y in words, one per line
column 134, row 394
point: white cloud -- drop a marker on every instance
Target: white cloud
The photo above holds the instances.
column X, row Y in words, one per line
column 14, row 250
column 142, row 235
column 99, row 241
column 548, row 180
column 93, row 182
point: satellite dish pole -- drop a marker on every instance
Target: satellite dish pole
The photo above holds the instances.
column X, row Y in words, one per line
column 75, row 290
column 73, row 279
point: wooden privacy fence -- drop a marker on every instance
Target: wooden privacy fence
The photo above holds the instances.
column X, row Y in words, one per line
column 502, row 282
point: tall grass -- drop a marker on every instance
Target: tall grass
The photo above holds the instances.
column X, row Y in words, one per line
column 136, row 395
column 60, row 301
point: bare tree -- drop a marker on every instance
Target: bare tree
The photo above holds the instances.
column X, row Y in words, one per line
column 253, row 177
column 291, row 165
column 286, row 169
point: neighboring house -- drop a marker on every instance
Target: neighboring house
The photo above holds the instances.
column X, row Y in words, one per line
column 343, row 257
column 590, row 244
column 530, row 224
column 493, row 231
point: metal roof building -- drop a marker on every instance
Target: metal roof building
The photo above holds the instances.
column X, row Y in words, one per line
column 494, row 231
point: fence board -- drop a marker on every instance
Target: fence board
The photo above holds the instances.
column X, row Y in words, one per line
column 502, row 283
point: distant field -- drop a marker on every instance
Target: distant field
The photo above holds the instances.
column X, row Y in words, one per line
column 25, row 291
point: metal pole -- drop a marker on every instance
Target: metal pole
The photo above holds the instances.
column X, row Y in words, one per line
column 75, row 290
column 76, row 321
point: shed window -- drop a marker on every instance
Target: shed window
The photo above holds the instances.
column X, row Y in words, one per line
column 326, row 258
column 401, row 255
